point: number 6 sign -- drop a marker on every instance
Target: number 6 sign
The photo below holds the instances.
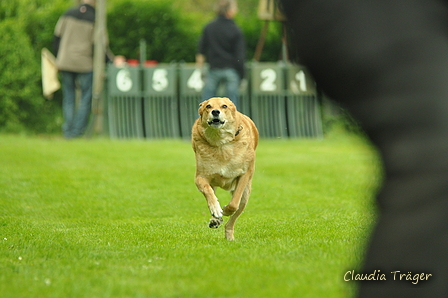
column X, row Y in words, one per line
column 123, row 80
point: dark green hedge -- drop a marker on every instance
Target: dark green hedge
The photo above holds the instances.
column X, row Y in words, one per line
column 21, row 104
column 172, row 36
column 164, row 29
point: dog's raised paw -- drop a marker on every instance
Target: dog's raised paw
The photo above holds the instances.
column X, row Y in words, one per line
column 215, row 222
column 228, row 210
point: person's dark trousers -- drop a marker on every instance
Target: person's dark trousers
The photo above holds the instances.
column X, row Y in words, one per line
column 387, row 62
column 76, row 118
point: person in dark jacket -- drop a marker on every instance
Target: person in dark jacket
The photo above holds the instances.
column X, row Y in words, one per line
column 222, row 45
column 386, row 61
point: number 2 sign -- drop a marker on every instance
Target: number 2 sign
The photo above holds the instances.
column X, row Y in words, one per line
column 269, row 80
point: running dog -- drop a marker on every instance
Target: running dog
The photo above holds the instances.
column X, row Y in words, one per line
column 224, row 141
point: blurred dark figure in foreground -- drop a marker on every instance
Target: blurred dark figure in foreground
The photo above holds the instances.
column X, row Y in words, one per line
column 387, row 62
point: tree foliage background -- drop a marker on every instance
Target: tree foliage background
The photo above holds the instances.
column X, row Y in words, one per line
column 171, row 29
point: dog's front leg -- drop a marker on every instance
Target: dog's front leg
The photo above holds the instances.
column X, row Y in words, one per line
column 241, row 185
column 204, row 186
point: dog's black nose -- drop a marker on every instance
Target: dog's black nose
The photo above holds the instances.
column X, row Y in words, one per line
column 215, row 113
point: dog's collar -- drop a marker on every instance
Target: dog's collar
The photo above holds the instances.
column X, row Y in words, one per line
column 240, row 128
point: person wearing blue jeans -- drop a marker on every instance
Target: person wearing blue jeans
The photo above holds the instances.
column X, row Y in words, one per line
column 222, row 45
column 229, row 77
column 73, row 47
column 76, row 118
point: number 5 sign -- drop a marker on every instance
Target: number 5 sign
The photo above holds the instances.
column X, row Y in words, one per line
column 160, row 80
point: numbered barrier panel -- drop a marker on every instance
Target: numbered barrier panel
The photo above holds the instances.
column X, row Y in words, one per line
column 190, row 86
column 302, row 105
column 161, row 111
column 268, row 99
column 124, row 104
column 163, row 101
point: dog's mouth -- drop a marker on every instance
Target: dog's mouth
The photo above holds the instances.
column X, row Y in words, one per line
column 216, row 122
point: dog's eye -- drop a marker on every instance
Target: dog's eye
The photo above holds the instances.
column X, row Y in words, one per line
column 224, row 106
column 208, row 106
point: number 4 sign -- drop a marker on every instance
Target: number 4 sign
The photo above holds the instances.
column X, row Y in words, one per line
column 195, row 81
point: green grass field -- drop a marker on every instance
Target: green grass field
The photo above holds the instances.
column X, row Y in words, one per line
column 102, row 218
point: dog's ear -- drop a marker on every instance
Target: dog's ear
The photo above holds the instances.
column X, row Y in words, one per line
column 231, row 105
column 200, row 107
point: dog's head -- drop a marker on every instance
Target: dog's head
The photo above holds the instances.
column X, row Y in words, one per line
column 216, row 112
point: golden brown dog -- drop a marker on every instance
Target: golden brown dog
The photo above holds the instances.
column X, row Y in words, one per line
column 224, row 142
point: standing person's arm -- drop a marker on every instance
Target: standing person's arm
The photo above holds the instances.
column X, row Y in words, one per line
column 240, row 49
column 57, row 35
column 200, row 60
column 202, row 49
column 201, row 55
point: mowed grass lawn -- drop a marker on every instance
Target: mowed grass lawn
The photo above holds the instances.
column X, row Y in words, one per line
column 105, row 218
